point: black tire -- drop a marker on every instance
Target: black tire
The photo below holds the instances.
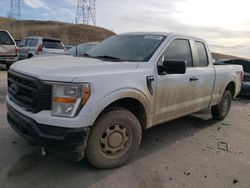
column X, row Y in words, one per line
column 7, row 66
column 220, row 111
column 117, row 129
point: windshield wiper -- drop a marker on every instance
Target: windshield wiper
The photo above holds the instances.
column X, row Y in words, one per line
column 108, row 57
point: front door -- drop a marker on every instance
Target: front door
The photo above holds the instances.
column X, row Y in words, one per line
column 175, row 92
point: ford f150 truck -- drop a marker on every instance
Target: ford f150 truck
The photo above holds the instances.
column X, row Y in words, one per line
column 97, row 105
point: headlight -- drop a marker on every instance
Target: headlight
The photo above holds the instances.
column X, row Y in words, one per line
column 68, row 99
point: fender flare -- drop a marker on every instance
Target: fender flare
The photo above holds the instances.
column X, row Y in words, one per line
column 227, row 83
column 122, row 94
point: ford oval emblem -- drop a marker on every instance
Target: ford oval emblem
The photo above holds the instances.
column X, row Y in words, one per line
column 14, row 88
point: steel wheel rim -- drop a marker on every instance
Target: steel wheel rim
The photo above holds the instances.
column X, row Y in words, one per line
column 115, row 141
column 225, row 106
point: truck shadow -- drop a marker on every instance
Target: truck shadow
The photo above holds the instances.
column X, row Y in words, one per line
column 168, row 133
column 52, row 169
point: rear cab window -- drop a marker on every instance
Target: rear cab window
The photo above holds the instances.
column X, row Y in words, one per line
column 5, row 39
column 52, row 44
column 202, row 54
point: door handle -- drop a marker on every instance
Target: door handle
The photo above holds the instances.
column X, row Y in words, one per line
column 193, row 79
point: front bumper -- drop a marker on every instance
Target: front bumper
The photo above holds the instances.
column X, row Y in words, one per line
column 67, row 142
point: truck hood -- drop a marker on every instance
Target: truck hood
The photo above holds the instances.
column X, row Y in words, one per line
column 68, row 68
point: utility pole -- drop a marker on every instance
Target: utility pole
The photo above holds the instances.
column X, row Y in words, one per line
column 86, row 12
column 15, row 9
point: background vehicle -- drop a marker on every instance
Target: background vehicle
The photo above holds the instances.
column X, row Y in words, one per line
column 245, row 86
column 99, row 104
column 36, row 45
column 8, row 49
column 81, row 48
column 67, row 47
column 17, row 41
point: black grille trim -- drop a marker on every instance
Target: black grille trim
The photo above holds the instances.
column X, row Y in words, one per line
column 33, row 94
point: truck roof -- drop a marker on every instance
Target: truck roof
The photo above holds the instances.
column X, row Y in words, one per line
column 167, row 34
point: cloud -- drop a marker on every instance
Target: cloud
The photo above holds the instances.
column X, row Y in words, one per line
column 71, row 2
column 36, row 4
column 224, row 24
column 171, row 16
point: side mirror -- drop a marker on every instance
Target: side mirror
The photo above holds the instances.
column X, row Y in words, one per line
column 172, row 66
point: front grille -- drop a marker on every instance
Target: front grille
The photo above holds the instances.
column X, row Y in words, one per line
column 29, row 92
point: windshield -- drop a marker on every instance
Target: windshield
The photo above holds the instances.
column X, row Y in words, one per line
column 81, row 49
column 127, row 47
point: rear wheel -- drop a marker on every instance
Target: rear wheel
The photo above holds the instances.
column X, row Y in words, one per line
column 114, row 139
column 220, row 111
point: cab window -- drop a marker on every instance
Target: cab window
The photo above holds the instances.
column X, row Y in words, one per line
column 179, row 49
column 202, row 54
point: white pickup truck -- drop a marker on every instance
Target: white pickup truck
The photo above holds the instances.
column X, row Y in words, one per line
column 97, row 105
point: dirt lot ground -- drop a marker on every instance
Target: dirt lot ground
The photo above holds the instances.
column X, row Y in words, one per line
column 188, row 152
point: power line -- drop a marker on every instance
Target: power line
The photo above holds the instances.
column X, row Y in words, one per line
column 86, row 12
column 15, row 9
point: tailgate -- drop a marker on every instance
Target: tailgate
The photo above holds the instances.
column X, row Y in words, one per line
column 53, row 51
column 7, row 50
column 53, row 46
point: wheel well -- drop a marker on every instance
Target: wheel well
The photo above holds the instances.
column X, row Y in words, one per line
column 132, row 105
column 231, row 87
column 30, row 55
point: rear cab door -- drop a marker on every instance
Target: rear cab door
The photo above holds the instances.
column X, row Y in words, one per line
column 175, row 92
column 203, row 65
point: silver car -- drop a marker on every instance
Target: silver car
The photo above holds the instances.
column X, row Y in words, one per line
column 37, row 45
column 8, row 49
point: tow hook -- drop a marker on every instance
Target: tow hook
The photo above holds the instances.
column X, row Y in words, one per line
column 43, row 151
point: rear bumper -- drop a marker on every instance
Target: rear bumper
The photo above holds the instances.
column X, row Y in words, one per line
column 67, row 142
column 8, row 60
column 245, row 89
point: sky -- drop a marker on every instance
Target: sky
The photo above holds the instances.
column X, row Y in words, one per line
column 224, row 24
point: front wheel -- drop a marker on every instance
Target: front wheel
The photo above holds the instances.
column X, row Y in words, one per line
column 114, row 139
column 220, row 111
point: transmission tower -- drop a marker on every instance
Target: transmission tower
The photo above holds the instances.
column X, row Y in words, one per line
column 85, row 12
column 15, row 9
